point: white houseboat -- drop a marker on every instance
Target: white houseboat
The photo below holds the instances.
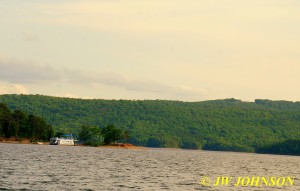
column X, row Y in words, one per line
column 66, row 139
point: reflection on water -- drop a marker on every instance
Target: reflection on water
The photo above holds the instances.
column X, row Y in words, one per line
column 45, row 167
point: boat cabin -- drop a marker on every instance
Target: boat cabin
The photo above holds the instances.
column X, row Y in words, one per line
column 66, row 139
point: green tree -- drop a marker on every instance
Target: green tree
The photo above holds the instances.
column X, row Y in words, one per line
column 111, row 134
column 85, row 133
column 39, row 128
column 6, row 120
column 90, row 135
column 20, row 123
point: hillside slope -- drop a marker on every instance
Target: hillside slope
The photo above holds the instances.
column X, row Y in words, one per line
column 215, row 125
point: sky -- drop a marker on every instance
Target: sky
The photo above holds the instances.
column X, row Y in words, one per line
column 190, row 50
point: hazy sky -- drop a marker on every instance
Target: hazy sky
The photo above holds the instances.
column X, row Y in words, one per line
column 188, row 50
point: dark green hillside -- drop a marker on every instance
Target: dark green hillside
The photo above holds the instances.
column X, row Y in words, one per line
column 214, row 125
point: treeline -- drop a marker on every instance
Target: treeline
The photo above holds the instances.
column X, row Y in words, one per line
column 228, row 124
column 288, row 147
column 20, row 125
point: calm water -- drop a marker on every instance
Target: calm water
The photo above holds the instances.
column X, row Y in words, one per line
column 45, row 167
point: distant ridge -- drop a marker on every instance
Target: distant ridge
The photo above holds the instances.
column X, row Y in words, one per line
column 228, row 124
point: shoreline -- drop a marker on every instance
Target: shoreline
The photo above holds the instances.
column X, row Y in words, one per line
column 28, row 141
column 130, row 146
column 14, row 140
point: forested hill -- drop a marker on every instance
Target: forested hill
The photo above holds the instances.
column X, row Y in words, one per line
column 214, row 125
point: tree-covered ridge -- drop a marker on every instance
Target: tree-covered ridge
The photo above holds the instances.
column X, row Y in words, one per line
column 20, row 125
column 215, row 125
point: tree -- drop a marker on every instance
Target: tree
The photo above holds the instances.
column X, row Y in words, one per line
column 20, row 120
column 84, row 133
column 39, row 128
column 6, row 120
column 90, row 135
column 111, row 134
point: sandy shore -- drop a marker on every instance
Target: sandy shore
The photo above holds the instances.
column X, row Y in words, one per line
column 123, row 145
column 14, row 140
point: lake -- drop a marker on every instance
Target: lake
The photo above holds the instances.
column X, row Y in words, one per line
column 47, row 167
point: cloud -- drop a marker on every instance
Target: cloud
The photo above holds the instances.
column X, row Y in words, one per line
column 13, row 89
column 19, row 71
column 124, row 82
column 32, row 73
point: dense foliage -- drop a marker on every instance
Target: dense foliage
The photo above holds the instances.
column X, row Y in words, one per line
column 20, row 125
column 111, row 134
column 288, row 147
column 213, row 125
column 91, row 135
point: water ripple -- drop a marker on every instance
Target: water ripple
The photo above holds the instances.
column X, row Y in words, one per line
column 45, row 167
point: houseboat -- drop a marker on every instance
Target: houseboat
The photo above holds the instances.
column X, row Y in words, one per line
column 66, row 139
